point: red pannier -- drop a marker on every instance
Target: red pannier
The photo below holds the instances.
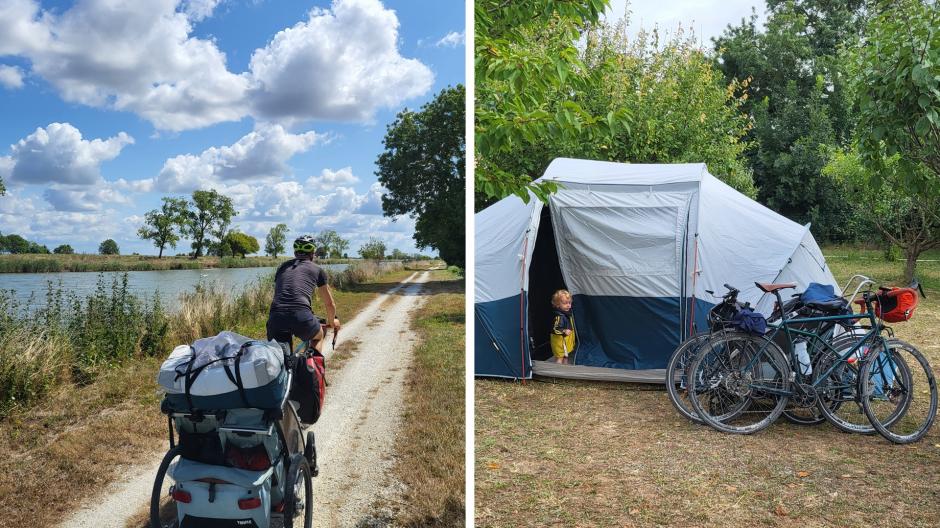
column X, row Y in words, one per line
column 896, row 305
column 309, row 387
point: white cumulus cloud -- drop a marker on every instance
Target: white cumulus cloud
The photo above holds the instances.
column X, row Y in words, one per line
column 59, row 154
column 11, row 76
column 451, row 40
column 330, row 179
column 260, row 154
column 340, row 64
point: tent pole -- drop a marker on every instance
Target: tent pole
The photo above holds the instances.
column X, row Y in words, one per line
column 694, row 277
column 525, row 248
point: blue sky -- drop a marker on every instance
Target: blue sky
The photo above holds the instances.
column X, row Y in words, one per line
column 105, row 108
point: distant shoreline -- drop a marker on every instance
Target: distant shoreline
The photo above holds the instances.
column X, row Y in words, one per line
column 39, row 263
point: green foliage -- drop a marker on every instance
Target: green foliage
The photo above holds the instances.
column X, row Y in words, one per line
column 241, row 244
column 640, row 100
column 423, row 169
column 897, row 77
column 794, row 84
column 906, row 217
column 276, row 240
column 109, row 247
column 162, row 225
column 373, row 249
column 64, row 249
column 330, row 244
column 398, row 254
column 528, row 75
column 14, row 244
column 209, row 213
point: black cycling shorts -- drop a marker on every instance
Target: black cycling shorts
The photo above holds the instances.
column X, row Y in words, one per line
column 282, row 325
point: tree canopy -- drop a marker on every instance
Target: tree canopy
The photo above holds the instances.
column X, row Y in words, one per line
column 423, row 170
column 163, row 225
column 64, row 249
column 373, row 249
column 241, row 244
column 209, row 213
column 109, row 247
column 330, row 244
column 274, row 243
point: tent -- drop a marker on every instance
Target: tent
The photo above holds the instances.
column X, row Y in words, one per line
column 637, row 245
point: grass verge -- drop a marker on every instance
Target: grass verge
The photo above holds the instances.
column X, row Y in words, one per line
column 430, row 446
column 569, row 453
column 83, row 435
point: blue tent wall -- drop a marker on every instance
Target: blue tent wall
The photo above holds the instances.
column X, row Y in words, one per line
column 497, row 341
column 632, row 333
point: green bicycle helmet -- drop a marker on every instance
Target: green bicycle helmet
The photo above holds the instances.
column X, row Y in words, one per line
column 304, row 244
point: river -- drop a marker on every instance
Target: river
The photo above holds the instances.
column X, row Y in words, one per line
column 170, row 283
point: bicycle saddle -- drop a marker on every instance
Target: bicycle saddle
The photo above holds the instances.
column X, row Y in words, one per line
column 767, row 287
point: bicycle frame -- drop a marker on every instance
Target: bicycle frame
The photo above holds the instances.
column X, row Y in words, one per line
column 785, row 324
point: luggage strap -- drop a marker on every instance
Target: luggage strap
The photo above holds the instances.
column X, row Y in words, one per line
column 191, row 374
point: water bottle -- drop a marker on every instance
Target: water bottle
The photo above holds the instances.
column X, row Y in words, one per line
column 802, row 357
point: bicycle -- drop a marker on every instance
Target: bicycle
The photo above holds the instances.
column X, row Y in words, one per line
column 752, row 374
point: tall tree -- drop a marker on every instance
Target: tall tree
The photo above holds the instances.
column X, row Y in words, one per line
column 906, row 216
column 64, row 249
column 897, row 77
column 241, row 244
column 209, row 213
column 109, row 247
column 797, row 96
column 373, row 249
column 15, row 244
column 423, row 169
column 162, row 225
column 519, row 73
column 331, row 243
column 275, row 242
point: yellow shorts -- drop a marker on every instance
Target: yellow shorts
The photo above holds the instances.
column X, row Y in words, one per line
column 561, row 343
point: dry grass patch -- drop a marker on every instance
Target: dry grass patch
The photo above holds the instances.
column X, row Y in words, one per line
column 568, row 453
column 430, row 447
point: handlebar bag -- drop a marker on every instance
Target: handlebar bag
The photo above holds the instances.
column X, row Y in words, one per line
column 227, row 371
column 897, row 304
column 309, row 388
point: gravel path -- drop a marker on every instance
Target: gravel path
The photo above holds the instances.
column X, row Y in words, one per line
column 355, row 434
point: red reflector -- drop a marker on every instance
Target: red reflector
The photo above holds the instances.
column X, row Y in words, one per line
column 181, row 496
column 249, row 504
column 279, row 508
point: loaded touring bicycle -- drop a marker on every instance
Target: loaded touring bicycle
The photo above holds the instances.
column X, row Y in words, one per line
column 238, row 456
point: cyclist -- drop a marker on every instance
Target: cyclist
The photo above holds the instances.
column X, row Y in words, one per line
column 294, row 283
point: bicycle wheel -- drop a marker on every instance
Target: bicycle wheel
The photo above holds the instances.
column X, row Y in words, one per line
column 676, row 376
column 745, row 378
column 899, row 379
column 156, row 495
column 836, row 383
column 298, row 499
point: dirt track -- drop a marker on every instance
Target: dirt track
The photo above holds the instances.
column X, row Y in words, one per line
column 355, row 434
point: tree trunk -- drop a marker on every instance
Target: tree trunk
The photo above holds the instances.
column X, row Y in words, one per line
column 160, row 255
column 911, row 265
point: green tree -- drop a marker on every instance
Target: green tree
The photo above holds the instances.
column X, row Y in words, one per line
column 64, row 249
column 163, row 225
column 208, row 214
column 794, row 83
column 527, row 83
column 373, row 249
column 897, row 77
column 109, row 247
column 276, row 240
column 241, row 244
column 905, row 216
column 15, row 244
column 330, row 244
column 423, row 169
column 37, row 248
column 398, row 254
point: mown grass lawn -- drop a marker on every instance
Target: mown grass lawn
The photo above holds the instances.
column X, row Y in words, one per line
column 568, row 453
